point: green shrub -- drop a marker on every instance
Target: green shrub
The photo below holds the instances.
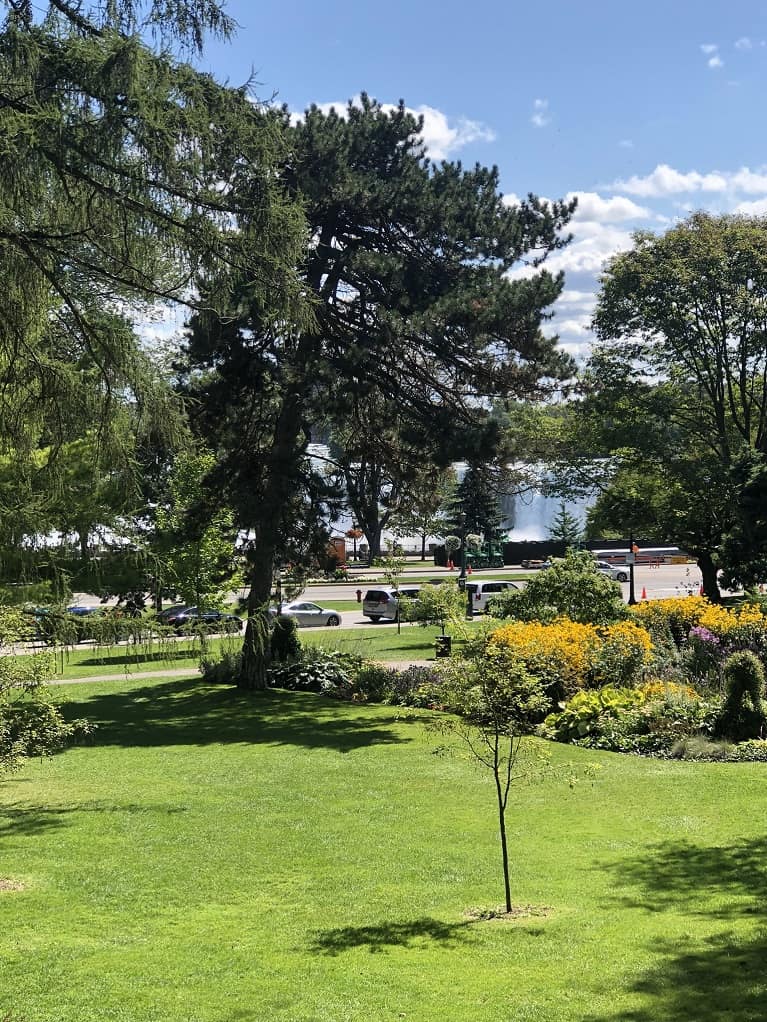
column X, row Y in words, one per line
column 650, row 720
column 582, row 715
column 285, row 644
column 572, row 587
column 328, row 672
column 752, row 751
column 373, row 682
column 743, row 710
column 417, row 686
column 696, row 747
column 223, row 669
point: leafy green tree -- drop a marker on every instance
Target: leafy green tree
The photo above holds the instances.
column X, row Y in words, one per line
column 498, row 703
column 406, row 268
column 30, row 723
column 678, row 377
column 443, row 604
column 572, row 587
column 476, row 503
column 423, row 508
column 194, row 545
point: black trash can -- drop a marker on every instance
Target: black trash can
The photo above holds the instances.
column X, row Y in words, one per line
column 443, row 645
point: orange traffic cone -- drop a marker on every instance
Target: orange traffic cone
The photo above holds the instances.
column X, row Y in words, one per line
column 644, row 593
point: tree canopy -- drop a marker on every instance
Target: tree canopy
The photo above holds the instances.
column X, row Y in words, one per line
column 676, row 384
column 406, row 268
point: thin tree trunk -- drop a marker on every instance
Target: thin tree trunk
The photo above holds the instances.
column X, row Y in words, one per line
column 504, row 846
column 423, row 546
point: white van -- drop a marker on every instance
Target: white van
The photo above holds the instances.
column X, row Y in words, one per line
column 383, row 604
column 482, row 592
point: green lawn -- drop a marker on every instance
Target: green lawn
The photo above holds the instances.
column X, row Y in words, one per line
column 217, row 856
column 379, row 642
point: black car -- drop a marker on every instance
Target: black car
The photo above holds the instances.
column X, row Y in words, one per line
column 190, row 619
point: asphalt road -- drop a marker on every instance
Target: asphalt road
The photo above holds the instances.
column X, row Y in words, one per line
column 665, row 580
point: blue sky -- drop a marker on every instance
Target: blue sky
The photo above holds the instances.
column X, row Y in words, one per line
column 646, row 111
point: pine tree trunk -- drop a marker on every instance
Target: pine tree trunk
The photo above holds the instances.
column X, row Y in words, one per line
column 256, row 649
column 279, row 479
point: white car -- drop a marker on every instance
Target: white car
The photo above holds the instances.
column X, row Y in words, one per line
column 616, row 572
column 482, row 592
column 383, row 604
column 308, row 615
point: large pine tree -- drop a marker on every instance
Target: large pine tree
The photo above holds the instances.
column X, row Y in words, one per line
column 406, row 269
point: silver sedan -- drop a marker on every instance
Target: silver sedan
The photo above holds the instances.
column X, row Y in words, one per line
column 309, row 614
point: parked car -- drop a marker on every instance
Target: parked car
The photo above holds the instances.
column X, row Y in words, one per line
column 483, row 591
column 308, row 615
column 615, row 572
column 171, row 613
column 189, row 619
column 383, row 604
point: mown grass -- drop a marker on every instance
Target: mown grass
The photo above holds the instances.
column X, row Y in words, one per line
column 378, row 642
column 217, row 856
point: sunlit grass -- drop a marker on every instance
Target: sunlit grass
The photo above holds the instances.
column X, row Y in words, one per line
column 215, row 855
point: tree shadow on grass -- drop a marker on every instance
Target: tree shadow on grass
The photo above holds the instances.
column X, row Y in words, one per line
column 22, row 820
column 719, row 981
column 721, row 882
column 26, row 821
column 720, row 978
column 387, row 935
column 188, row 712
column 137, row 657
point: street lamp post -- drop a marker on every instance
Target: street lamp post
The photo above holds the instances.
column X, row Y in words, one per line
column 630, row 558
column 461, row 519
column 462, row 575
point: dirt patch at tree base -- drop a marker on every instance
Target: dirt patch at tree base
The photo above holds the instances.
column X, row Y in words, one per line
column 10, row 885
column 486, row 915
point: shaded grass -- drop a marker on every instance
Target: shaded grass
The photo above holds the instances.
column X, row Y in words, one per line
column 217, row 855
column 378, row 642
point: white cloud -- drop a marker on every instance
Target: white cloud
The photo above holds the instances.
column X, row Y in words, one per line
column 716, row 62
column 540, row 117
column 745, row 180
column 573, row 327
column 709, row 48
column 744, row 43
column 510, row 199
column 664, row 180
column 591, row 206
column 440, row 136
column 626, row 143
column 757, row 207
